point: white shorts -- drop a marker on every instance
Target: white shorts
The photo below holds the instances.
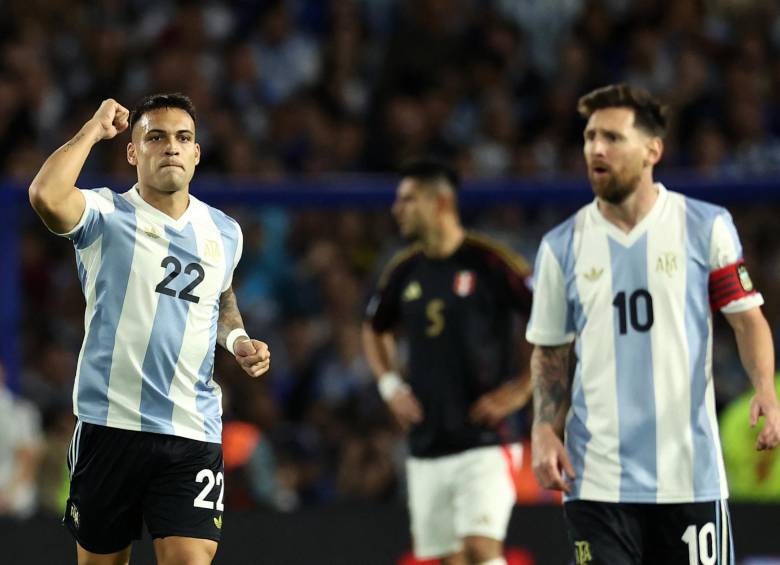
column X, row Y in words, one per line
column 466, row 494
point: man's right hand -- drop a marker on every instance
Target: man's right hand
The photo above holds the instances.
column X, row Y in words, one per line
column 406, row 408
column 550, row 460
column 766, row 405
column 112, row 118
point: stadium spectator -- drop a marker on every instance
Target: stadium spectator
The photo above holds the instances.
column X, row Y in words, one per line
column 21, row 445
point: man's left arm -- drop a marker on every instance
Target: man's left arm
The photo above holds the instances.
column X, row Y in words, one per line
column 499, row 403
column 253, row 355
column 514, row 274
column 757, row 353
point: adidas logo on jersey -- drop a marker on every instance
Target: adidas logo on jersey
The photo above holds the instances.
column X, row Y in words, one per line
column 218, row 522
column 152, row 232
column 413, row 291
column 594, row 274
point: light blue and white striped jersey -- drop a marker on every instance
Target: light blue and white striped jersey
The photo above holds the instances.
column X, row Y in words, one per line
column 642, row 424
column 152, row 286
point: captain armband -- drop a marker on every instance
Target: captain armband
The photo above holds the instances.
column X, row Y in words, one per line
column 728, row 284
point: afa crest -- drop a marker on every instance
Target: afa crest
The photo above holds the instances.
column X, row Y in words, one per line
column 582, row 554
column 211, row 249
column 666, row 263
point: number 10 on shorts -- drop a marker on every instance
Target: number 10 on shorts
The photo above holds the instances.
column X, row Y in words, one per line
column 702, row 548
column 207, row 475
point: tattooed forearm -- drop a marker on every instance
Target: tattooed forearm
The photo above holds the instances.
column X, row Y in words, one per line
column 550, row 374
column 229, row 316
column 72, row 142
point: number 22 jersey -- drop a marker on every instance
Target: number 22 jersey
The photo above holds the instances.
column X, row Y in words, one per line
column 152, row 286
column 642, row 425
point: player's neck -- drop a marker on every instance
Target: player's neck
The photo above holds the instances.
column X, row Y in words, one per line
column 173, row 204
column 444, row 240
column 633, row 209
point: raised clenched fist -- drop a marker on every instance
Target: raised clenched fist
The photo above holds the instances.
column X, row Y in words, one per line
column 112, row 117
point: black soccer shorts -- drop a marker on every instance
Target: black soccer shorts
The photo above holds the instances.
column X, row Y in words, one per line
column 603, row 533
column 120, row 478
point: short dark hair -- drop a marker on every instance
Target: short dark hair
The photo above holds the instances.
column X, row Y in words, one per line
column 156, row 101
column 430, row 171
column 650, row 114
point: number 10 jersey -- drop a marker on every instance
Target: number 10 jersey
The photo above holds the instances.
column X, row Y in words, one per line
column 642, row 425
column 152, row 286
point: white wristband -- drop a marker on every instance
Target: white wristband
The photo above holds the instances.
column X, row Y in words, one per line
column 390, row 383
column 230, row 341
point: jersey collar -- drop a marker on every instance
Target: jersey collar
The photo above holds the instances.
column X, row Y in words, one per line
column 135, row 198
column 628, row 239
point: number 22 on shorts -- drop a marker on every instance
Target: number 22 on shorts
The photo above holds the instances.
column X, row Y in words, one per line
column 208, row 476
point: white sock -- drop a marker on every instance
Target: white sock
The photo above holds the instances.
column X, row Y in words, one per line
column 496, row 561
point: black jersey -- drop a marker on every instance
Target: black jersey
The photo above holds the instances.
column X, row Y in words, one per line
column 457, row 315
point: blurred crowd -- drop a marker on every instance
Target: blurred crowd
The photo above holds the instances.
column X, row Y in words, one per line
column 305, row 87
column 318, row 86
